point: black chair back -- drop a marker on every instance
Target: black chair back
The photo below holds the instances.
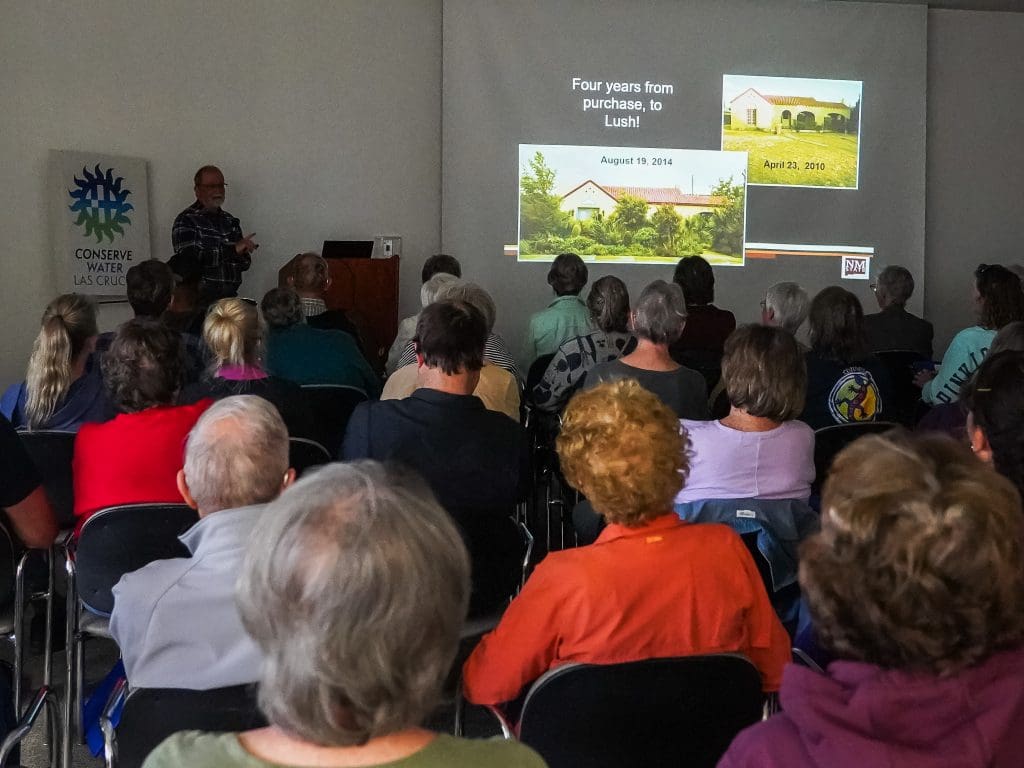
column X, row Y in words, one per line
column 659, row 712
column 829, row 441
column 906, row 396
column 332, row 406
column 8, row 562
column 119, row 540
column 51, row 452
column 150, row 715
column 304, row 454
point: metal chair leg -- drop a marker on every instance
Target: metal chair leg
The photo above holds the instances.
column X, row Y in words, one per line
column 70, row 630
column 19, row 630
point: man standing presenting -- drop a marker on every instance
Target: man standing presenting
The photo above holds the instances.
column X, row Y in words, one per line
column 206, row 234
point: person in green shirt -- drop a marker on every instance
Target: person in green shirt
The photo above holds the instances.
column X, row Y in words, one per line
column 564, row 318
column 355, row 591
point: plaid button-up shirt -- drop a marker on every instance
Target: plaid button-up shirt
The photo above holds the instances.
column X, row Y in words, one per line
column 208, row 237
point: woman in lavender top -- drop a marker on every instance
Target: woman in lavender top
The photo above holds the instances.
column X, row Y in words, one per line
column 759, row 450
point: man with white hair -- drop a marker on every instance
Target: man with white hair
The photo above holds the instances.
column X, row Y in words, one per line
column 175, row 620
column 893, row 327
column 785, row 306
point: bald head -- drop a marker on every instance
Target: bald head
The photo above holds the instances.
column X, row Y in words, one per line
column 236, row 455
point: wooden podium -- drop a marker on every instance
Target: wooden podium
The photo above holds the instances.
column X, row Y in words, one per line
column 367, row 290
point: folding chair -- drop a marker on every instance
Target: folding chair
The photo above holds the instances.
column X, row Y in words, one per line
column 332, row 406
column 113, row 542
column 656, row 712
column 51, row 451
column 829, row 441
column 150, row 715
column 305, row 454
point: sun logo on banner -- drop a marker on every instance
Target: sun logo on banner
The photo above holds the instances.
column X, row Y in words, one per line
column 100, row 203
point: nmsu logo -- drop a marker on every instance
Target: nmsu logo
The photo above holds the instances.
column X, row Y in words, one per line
column 856, row 267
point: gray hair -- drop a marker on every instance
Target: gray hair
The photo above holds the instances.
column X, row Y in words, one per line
column 430, row 289
column 355, row 590
column 660, row 313
column 472, row 294
column 896, row 285
column 789, row 304
column 282, row 308
column 236, row 454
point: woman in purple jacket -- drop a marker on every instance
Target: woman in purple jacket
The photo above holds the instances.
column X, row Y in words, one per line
column 915, row 584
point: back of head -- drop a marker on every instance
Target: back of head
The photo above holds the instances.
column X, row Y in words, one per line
column 1002, row 301
column 440, row 263
column 236, row 454
column 233, row 333
column 789, row 304
column 1009, row 338
column 471, row 293
column 608, row 303
column 355, row 591
column 994, row 398
column 764, row 372
column 660, row 313
column 836, row 322
column 568, row 274
column 309, row 274
column 68, row 323
column 918, row 562
column 282, row 308
column 145, row 365
column 430, row 290
column 149, row 286
column 450, row 335
column 694, row 275
column 621, row 447
column 895, row 286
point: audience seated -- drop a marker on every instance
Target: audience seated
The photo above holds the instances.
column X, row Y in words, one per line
column 707, row 326
column 495, row 350
column 845, row 382
column 234, row 334
column 651, row 586
column 608, row 303
column 149, row 288
column 657, row 321
column 994, row 401
column 998, row 300
column 894, row 327
column 175, row 620
column 311, row 278
column 785, row 305
column 63, row 387
column 915, row 584
column 306, row 355
column 475, row 460
column 437, row 270
column 135, row 457
column 22, row 498
column 186, row 312
column 497, row 389
column 355, row 593
column 759, row 450
column 565, row 317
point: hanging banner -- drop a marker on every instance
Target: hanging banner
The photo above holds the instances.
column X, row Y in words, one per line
column 100, row 220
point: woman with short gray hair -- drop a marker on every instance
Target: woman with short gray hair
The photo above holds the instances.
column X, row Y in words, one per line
column 355, row 590
column 657, row 321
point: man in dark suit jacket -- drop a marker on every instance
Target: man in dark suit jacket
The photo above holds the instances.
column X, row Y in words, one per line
column 894, row 327
column 475, row 460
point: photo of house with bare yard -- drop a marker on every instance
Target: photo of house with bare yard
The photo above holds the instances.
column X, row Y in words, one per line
column 796, row 131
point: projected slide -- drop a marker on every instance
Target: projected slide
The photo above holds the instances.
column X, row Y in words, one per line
column 630, row 205
column 796, row 131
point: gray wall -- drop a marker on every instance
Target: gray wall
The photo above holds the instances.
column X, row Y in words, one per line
column 325, row 117
column 975, row 209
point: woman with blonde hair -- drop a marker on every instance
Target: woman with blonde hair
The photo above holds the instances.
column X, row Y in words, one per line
column 63, row 387
column 234, row 333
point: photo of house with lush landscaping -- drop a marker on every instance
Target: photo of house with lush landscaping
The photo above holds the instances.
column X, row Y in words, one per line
column 796, row 131
column 623, row 204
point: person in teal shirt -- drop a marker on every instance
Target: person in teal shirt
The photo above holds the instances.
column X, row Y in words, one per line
column 567, row 316
column 306, row 355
